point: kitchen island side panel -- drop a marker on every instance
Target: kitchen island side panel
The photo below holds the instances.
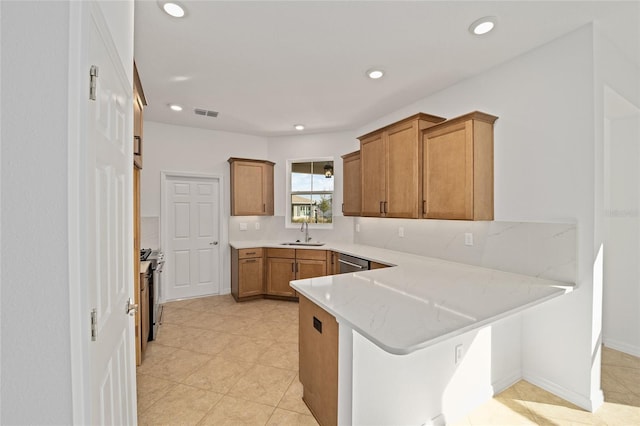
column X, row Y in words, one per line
column 428, row 386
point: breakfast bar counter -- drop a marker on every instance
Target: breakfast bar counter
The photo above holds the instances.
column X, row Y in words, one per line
column 421, row 342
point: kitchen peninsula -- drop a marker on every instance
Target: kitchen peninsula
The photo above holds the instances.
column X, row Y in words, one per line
column 419, row 343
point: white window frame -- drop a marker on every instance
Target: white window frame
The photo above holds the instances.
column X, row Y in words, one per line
column 287, row 219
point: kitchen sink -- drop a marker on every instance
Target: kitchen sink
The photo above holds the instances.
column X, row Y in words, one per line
column 300, row 243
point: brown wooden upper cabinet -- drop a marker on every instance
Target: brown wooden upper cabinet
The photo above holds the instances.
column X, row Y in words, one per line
column 351, row 184
column 391, row 166
column 251, row 187
column 458, row 168
column 139, row 102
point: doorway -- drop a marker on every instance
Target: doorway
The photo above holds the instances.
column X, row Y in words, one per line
column 191, row 207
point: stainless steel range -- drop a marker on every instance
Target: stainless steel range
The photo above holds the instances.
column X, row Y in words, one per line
column 156, row 257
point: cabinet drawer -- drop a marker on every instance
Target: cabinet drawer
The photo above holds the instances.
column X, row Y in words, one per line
column 286, row 253
column 311, row 254
column 250, row 252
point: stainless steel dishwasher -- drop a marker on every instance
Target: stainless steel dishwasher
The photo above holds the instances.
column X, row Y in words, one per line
column 352, row 264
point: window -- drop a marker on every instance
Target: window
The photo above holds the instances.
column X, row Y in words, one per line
column 311, row 192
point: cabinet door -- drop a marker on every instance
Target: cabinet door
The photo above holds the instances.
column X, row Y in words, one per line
column 351, row 185
column 137, row 130
column 318, row 337
column 251, row 277
column 248, row 189
column 310, row 268
column 448, row 172
column 374, row 175
column 138, row 106
column 403, row 162
column 333, row 266
column 279, row 273
column 267, row 172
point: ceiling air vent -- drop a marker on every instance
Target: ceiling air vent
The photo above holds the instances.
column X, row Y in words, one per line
column 206, row 112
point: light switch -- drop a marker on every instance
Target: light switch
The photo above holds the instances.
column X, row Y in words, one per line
column 243, row 226
column 257, row 225
column 458, row 353
column 357, row 227
column 401, row 232
column 468, row 239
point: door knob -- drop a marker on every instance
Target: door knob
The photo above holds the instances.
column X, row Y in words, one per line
column 132, row 308
column 215, row 243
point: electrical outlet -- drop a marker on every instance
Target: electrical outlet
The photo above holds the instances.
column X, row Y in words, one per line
column 468, row 239
column 357, row 227
column 401, row 232
column 257, row 226
column 458, row 353
column 243, row 226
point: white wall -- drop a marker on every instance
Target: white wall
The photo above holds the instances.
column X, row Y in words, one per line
column 621, row 313
column 617, row 88
column 187, row 149
column 35, row 360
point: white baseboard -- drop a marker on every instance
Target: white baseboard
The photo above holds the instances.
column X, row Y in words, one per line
column 622, row 347
column 580, row 400
column 506, row 382
column 477, row 399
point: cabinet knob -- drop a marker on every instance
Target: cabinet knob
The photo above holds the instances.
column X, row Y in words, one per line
column 214, row 243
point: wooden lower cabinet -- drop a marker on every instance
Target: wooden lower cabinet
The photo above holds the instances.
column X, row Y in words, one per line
column 247, row 273
column 280, row 271
column 310, row 269
column 310, row 263
column 377, row 265
column 285, row 265
column 333, row 266
column 318, row 346
column 251, row 272
column 263, row 272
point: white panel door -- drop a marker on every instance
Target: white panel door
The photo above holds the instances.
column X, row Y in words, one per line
column 110, row 240
column 193, row 254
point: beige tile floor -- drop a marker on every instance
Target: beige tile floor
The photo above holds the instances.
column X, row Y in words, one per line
column 217, row 362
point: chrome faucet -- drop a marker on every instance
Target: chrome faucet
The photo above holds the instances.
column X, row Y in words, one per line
column 305, row 228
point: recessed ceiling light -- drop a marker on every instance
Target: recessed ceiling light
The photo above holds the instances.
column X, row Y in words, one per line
column 298, row 126
column 483, row 25
column 175, row 107
column 173, row 9
column 375, row 73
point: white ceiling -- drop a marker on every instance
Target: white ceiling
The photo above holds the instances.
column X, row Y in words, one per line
column 266, row 65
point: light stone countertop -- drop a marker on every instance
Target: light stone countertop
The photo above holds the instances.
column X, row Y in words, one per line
column 421, row 301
